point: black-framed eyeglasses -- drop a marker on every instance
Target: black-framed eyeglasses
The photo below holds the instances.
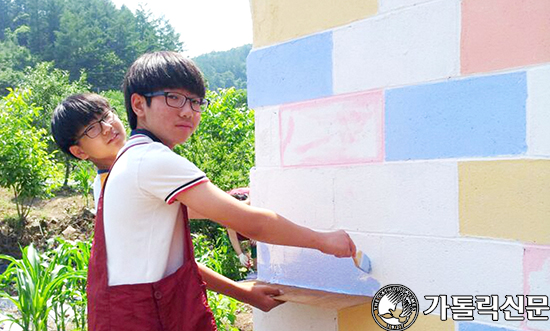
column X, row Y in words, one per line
column 178, row 100
column 93, row 130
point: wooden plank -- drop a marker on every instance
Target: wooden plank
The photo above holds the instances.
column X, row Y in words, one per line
column 318, row 298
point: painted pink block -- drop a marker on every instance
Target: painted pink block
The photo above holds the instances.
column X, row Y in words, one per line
column 345, row 129
column 499, row 34
column 536, row 278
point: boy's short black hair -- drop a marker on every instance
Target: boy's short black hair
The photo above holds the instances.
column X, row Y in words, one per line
column 153, row 72
column 72, row 115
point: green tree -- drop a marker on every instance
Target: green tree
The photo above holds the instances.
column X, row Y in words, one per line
column 26, row 164
column 49, row 87
column 225, row 69
column 223, row 146
column 82, row 42
column 5, row 16
column 155, row 34
column 13, row 59
column 86, row 34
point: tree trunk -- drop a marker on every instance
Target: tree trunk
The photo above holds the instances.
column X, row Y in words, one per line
column 67, row 171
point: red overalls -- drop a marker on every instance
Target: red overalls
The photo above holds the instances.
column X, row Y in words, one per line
column 175, row 303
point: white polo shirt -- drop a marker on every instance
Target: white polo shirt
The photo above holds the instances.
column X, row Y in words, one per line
column 143, row 225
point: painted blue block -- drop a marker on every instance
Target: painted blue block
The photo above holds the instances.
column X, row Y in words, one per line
column 312, row 269
column 475, row 117
column 470, row 326
column 293, row 71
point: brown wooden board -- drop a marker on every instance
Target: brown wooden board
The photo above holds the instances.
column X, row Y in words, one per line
column 318, row 298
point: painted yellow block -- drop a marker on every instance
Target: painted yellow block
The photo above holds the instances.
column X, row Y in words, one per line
column 359, row 318
column 276, row 21
column 505, row 199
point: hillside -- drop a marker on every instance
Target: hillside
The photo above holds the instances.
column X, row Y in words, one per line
column 225, row 69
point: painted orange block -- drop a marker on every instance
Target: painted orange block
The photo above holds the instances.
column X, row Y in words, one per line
column 508, row 199
column 499, row 34
column 276, row 21
column 359, row 318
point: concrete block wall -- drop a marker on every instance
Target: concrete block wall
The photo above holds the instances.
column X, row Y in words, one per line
column 420, row 126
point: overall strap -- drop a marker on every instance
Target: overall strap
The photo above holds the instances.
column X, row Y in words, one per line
column 112, row 165
column 187, row 241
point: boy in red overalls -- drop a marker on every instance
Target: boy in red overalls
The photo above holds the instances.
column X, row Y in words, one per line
column 85, row 126
column 142, row 273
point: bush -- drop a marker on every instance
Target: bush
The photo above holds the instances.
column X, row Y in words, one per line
column 49, row 87
column 84, row 174
column 218, row 255
column 221, row 258
column 26, row 164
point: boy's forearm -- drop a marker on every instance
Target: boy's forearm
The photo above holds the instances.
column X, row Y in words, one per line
column 221, row 284
column 234, row 241
column 262, row 224
column 270, row 227
column 267, row 226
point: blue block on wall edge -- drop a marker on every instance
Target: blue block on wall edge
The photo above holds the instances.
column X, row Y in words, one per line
column 472, row 326
column 293, row 71
column 312, row 269
column 473, row 117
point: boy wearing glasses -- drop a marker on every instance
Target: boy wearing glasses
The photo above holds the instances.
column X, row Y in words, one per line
column 84, row 126
column 142, row 275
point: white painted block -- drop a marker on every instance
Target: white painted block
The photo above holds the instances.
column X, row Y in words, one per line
column 538, row 111
column 303, row 195
column 267, row 140
column 418, row 198
column 536, row 265
column 385, row 6
column 443, row 266
column 292, row 316
column 417, row 44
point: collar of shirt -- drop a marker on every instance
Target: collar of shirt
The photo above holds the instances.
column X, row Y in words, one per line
column 146, row 133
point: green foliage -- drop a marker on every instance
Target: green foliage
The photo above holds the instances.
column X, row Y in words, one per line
column 75, row 257
column 55, row 282
column 84, row 174
column 49, row 87
column 26, row 164
column 224, row 309
column 40, row 281
column 13, row 58
column 225, row 69
column 220, row 257
column 116, row 100
column 87, row 34
column 223, row 146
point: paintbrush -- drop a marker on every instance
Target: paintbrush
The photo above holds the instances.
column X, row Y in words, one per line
column 362, row 262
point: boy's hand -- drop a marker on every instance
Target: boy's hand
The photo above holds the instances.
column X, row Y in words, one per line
column 261, row 296
column 245, row 260
column 337, row 243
